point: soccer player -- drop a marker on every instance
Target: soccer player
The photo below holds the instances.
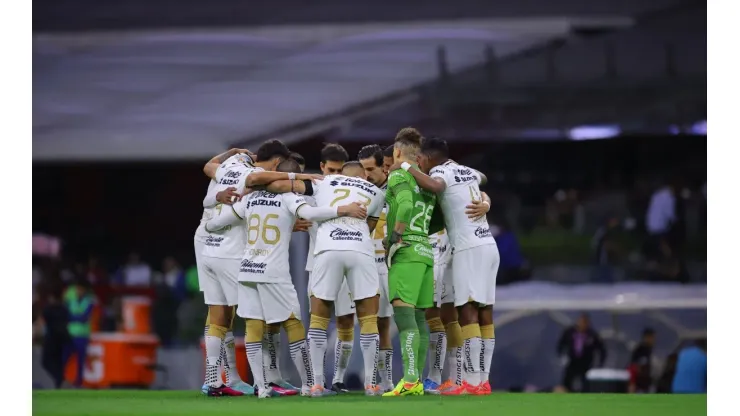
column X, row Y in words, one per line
column 437, row 333
column 475, row 259
column 266, row 295
column 371, row 158
column 300, row 160
column 222, row 254
column 387, row 159
column 333, row 157
column 345, row 253
column 213, row 198
column 411, row 260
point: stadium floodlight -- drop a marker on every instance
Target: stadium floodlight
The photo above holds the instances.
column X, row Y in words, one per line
column 594, row 132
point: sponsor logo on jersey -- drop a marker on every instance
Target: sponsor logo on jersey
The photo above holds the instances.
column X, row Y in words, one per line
column 214, row 241
column 231, row 178
column 339, row 234
column 423, row 250
column 483, row 232
column 253, row 267
column 380, row 259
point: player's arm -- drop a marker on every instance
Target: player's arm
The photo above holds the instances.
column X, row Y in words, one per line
column 310, row 213
column 404, row 202
column 477, row 209
column 303, row 187
column 212, row 165
column 430, row 183
column 376, row 208
column 263, row 178
column 482, row 179
column 437, row 223
column 225, row 218
column 228, row 196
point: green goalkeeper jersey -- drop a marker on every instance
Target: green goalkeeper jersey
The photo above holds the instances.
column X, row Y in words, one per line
column 413, row 206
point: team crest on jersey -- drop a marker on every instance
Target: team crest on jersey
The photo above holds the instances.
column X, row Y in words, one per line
column 333, row 183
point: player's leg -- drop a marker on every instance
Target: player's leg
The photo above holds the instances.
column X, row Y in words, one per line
column 327, row 276
column 250, row 308
column 437, row 337
column 385, row 353
column 424, row 301
column 199, row 244
column 485, row 315
column 344, row 311
column 281, row 308
column 218, row 322
column 469, row 294
column 454, row 355
column 228, row 359
column 363, row 283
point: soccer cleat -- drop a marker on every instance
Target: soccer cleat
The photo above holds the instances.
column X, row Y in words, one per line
column 287, row 386
column 431, row 387
column 464, row 390
column 243, row 387
column 279, row 391
column 449, row 384
column 339, row 388
column 204, row 389
column 404, row 388
column 267, row 392
column 371, row 390
column 484, row 389
column 223, row 390
column 321, row 391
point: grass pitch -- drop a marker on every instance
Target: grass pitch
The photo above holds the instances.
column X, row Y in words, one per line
column 193, row 403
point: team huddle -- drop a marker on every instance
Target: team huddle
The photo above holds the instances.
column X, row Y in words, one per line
column 399, row 234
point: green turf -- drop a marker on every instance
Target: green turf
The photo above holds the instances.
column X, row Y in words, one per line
column 185, row 403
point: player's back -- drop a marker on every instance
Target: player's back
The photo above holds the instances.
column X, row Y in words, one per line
column 269, row 220
column 462, row 189
column 345, row 233
column 422, row 206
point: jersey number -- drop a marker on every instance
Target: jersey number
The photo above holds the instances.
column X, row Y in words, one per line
column 260, row 226
column 344, row 194
column 425, row 211
column 475, row 195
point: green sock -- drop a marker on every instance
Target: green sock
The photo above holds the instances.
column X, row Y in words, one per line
column 421, row 352
column 408, row 335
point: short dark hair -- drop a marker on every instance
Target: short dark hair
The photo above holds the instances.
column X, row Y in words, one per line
column 371, row 150
column 298, row 158
column 352, row 164
column 272, row 149
column 289, row 165
column 435, row 146
column 388, row 151
column 334, row 152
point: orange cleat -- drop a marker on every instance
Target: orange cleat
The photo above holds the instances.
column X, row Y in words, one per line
column 464, row 390
column 447, row 385
column 484, row 389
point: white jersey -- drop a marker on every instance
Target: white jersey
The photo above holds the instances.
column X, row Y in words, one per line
column 200, row 232
column 268, row 219
column 379, row 235
column 347, row 234
column 230, row 243
column 441, row 246
column 312, row 237
column 462, row 188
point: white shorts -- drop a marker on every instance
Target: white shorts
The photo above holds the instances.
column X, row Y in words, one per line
column 474, row 275
column 331, row 267
column 443, row 292
column 343, row 305
column 219, row 280
column 199, row 245
column 385, row 310
column 269, row 302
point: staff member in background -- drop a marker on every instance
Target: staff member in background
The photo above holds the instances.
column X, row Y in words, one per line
column 55, row 320
column 691, row 369
column 578, row 345
column 641, row 378
column 79, row 301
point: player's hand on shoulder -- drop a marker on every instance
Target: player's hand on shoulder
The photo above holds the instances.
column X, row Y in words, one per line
column 395, row 166
column 309, row 177
column 354, row 210
column 477, row 209
column 228, row 196
column 301, row 225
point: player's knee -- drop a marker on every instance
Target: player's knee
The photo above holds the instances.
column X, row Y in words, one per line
column 217, row 331
column 255, row 330
column 435, row 325
column 295, row 330
column 319, row 322
column 454, row 335
column 369, row 324
column 275, row 328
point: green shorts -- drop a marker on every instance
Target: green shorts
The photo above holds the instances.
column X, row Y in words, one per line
column 412, row 282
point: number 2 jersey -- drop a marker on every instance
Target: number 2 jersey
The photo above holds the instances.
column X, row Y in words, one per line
column 462, row 188
column 347, row 234
column 230, row 243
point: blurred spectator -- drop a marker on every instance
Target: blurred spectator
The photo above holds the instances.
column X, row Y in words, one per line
column 641, row 376
column 691, row 369
column 513, row 267
column 577, row 347
column 174, row 277
column 661, row 212
column 169, row 292
column 95, row 273
column 191, row 279
column 134, row 273
column 664, row 265
column 55, row 320
column 665, row 382
column 79, row 301
column 607, row 250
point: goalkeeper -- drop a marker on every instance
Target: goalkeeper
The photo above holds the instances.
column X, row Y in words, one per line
column 410, row 261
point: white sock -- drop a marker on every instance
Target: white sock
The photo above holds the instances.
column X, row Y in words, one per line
column 437, row 350
column 302, row 361
column 254, row 356
column 228, row 359
column 342, row 354
column 369, row 344
column 213, row 360
column 455, row 364
column 317, row 350
column 488, row 345
column 385, row 367
column 270, row 348
column 473, row 368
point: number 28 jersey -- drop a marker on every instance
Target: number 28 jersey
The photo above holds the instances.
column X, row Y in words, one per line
column 268, row 219
column 345, row 233
column 462, row 188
